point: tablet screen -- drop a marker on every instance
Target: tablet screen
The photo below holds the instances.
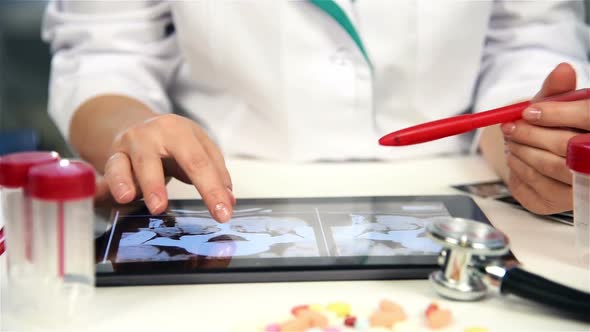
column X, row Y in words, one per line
column 265, row 233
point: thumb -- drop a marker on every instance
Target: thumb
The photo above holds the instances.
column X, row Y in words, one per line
column 561, row 80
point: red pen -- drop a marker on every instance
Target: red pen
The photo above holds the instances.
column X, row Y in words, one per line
column 455, row 125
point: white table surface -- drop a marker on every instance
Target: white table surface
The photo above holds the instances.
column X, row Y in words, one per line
column 542, row 246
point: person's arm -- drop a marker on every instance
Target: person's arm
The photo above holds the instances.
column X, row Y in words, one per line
column 136, row 148
column 111, row 66
column 99, row 120
column 525, row 42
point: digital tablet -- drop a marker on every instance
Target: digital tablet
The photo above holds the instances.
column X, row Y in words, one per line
column 293, row 239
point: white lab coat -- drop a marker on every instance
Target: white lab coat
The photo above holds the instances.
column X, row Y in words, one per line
column 284, row 80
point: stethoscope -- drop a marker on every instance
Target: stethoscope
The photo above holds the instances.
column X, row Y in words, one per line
column 471, row 260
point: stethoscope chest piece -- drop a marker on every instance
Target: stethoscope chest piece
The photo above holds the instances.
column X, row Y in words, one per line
column 472, row 253
column 465, row 242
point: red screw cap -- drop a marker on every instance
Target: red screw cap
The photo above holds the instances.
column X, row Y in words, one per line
column 14, row 167
column 63, row 181
column 578, row 154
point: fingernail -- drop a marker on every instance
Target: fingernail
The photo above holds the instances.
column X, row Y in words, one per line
column 154, row 201
column 122, row 190
column 508, row 128
column 221, row 212
column 531, row 114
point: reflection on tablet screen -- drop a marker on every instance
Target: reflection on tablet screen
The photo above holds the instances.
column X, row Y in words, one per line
column 277, row 231
column 383, row 235
column 179, row 237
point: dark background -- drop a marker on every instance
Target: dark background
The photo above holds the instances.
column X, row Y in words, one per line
column 24, row 72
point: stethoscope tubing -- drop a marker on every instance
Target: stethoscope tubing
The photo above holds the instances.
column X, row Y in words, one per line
column 530, row 286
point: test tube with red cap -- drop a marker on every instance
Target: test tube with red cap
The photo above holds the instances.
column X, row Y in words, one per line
column 578, row 160
column 62, row 203
column 14, row 169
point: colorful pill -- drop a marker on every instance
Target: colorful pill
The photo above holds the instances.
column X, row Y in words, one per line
column 341, row 309
column 439, row 319
column 272, row 328
column 431, row 308
column 386, row 305
column 350, row 321
column 394, row 309
column 381, row 319
column 294, row 325
column 313, row 318
column 296, row 309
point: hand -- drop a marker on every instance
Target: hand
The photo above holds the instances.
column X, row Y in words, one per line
column 167, row 145
column 536, row 146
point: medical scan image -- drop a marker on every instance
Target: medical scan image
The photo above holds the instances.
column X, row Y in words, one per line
column 279, row 231
column 178, row 237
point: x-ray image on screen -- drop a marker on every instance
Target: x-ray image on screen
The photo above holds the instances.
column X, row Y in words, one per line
column 177, row 237
column 382, row 235
column 276, row 231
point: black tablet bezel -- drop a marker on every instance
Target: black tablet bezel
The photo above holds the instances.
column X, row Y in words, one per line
column 299, row 269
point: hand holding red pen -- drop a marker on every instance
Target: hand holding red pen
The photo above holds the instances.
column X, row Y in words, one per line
column 536, row 146
column 536, row 133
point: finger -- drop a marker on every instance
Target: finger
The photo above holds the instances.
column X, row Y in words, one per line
column 217, row 158
column 550, row 139
column 215, row 155
column 119, row 177
column 171, row 168
column 203, row 174
column 524, row 194
column 544, row 162
column 103, row 200
column 102, row 190
column 562, row 79
column 552, row 196
column 149, row 172
column 574, row 114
